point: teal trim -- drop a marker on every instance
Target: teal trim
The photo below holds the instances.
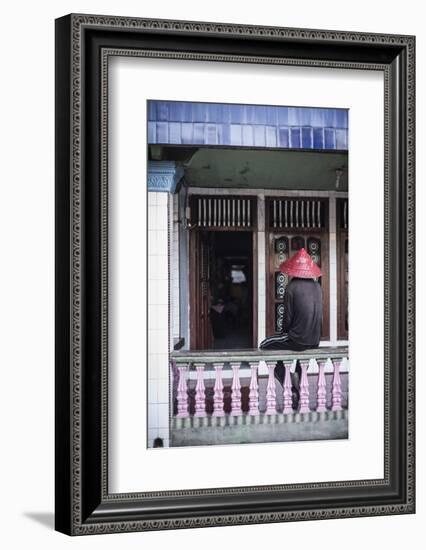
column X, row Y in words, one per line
column 164, row 176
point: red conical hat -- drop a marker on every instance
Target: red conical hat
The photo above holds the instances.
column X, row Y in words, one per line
column 301, row 265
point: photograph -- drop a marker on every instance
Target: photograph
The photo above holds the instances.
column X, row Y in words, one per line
column 248, row 239
column 222, row 355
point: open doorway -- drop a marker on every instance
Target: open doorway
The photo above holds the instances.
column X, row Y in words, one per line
column 231, row 289
column 221, row 287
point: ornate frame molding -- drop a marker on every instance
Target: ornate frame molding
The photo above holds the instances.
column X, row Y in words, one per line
column 85, row 506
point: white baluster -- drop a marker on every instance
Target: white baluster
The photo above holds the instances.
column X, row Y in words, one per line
column 336, row 394
column 218, row 391
column 182, row 393
column 236, row 390
column 254, row 391
column 200, row 392
column 271, row 405
column 304, row 388
column 288, row 401
column 321, row 393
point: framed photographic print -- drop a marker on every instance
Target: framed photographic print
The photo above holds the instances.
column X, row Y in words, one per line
column 223, row 356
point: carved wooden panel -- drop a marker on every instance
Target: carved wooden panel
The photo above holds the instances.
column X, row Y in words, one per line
column 223, row 212
column 294, row 224
column 300, row 213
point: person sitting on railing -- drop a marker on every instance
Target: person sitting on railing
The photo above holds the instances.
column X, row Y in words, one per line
column 303, row 300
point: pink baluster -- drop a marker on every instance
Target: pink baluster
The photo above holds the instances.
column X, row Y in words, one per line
column 218, row 392
column 288, row 401
column 336, row 394
column 254, row 391
column 236, row 390
column 200, row 393
column 182, row 393
column 304, row 388
column 271, row 406
column 321, row 394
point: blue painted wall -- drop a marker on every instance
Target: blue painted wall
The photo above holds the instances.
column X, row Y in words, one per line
column 171, row 122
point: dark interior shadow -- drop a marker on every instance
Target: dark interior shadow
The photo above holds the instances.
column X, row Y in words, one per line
column 44, row 518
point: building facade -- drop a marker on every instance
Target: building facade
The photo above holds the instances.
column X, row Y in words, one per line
column 233, row 190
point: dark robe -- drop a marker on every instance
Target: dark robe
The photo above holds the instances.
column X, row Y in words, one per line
column 303, row 312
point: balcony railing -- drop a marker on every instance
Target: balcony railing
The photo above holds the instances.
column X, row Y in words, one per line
column 234, row 388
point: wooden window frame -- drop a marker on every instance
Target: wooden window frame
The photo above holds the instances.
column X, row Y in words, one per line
column 192, row 275
column 342, row 234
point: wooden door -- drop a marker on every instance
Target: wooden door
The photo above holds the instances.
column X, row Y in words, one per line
column 201, row 331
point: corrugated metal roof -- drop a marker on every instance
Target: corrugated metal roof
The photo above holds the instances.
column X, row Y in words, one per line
column 174, row 122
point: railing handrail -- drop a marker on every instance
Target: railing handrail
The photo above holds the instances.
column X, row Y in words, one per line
column 257, row 355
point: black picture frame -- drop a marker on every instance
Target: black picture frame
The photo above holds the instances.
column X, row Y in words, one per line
column 83, row 504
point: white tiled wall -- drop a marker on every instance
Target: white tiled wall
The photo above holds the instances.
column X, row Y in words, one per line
column 158, row 311
column 174, row 267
